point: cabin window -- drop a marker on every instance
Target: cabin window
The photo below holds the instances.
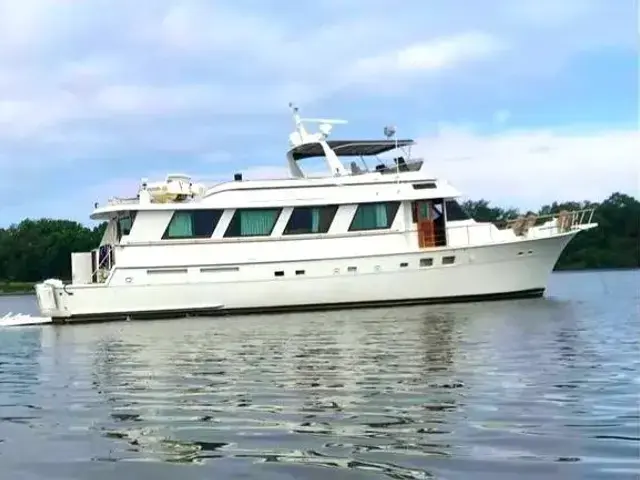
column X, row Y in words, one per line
column 192, row 224
column 374, row 216
column 310, row 220
column 125, row 223
column 253, row 222
column 455, row 211
column 423, row 186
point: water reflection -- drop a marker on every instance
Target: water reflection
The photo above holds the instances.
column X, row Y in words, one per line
column 20, row 372
column 538, row 387
column 343, row 384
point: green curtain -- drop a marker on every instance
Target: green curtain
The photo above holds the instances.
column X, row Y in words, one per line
column 381, row 215
column 181, row 225
column 369, row 217
column 315, row 220
column 257, row 222
column 425, row 211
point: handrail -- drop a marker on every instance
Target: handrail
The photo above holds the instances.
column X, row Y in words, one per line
column 123, row 200
column 522, row 228
column 106, row 261
column 565, row 220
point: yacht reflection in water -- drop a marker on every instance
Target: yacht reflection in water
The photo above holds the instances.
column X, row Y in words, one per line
column 317, row 389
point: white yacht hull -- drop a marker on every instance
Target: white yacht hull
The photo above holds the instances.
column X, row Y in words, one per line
column 498, row 271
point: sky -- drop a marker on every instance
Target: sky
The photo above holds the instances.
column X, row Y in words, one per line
column 517, row 102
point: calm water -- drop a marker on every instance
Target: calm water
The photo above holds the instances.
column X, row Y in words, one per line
column 543, row 388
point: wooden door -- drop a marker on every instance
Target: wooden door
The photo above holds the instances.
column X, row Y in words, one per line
column 426, row 226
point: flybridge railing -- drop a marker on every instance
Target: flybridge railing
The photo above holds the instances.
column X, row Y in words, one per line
column 123, row 201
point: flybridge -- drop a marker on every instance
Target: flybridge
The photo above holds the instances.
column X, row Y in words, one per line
column 308, row 145
column 349, row 148
column 364, row 167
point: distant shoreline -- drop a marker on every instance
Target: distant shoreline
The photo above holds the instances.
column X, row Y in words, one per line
column 16, row 288
column 602, row 269
column 27, row 288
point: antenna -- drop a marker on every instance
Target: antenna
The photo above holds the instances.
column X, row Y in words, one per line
column 334, row 121
column 301, row 136
column 296, row 116
column 390, row 132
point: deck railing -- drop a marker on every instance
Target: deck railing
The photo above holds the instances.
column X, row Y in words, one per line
column 524, row 227
column 562, row 221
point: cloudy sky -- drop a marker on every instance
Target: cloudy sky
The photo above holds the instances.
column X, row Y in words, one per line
column 519, row 102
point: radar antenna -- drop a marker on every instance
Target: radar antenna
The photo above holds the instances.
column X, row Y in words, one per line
column 301, row 135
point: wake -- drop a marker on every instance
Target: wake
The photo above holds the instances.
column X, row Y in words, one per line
column 21, row 319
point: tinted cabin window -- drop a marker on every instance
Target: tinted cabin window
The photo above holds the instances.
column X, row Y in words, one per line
column 125, row 223
column 192, row 224
column 374, row 216
column 253, row 222
column 310, row 220
column 455, row 211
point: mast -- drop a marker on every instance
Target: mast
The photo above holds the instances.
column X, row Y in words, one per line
column 300, row 137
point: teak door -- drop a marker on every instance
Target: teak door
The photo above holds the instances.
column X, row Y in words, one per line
column 426, row 224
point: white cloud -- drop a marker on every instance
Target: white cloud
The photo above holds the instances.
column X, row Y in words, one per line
column 531, row 167
column 414, row 60
column 434, row 55
column 197, row 27
column 550, row 14
column 162, row 82
column 20, row 22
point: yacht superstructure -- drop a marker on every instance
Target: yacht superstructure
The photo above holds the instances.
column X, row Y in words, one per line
column 367, row 233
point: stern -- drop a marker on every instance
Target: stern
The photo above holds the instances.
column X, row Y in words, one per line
column 50, row 299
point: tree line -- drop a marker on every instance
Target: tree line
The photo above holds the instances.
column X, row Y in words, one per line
column 37, row 249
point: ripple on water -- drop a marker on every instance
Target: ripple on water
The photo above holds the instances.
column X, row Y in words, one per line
column 526, row 389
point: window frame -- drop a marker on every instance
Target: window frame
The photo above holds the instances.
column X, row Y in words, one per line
column 333, row 211
column 236, row 218
column 392, row 213
column 191, row 212
column 129, row 214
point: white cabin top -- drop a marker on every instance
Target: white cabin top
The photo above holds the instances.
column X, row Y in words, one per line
column 402, row 179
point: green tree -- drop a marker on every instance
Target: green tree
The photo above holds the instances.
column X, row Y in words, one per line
column 37, row 249
column 481, row 211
